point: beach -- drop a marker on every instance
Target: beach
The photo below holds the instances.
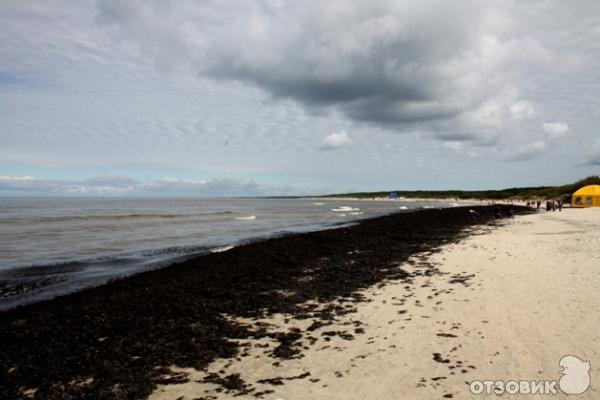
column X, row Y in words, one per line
column 413, row 305
column 528, row 296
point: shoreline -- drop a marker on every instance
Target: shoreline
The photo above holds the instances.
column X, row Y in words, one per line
column 33, row 276
column 26, row 301
column 121, row 339
column 448, row 200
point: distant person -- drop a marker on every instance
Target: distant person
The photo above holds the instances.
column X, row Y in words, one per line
column 539, row 203
column 560, row 204
column 510, row 213
column 548, row 206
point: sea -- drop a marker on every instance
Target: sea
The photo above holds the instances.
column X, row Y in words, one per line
column 54, row 246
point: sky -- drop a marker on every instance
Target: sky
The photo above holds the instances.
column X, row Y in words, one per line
column 236, row 98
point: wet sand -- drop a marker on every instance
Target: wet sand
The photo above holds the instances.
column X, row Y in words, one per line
column 309, row 313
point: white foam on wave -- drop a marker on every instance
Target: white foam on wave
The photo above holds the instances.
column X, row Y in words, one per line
column 221, row 249
column 356, row 213
column 248, row 218
column 344, row 209
column 318, row 204
column 403, row 208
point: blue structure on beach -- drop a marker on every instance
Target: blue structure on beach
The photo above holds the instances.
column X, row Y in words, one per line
column 394, row 195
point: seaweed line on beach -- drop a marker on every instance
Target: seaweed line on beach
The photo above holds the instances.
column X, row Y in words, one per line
column 119, row 340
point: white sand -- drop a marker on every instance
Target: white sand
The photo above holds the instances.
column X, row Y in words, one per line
column 534, row 297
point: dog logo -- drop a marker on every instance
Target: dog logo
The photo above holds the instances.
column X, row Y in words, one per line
column 575, row 375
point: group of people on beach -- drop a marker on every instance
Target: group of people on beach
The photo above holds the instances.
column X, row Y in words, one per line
column 506, row 211
column 551, row 205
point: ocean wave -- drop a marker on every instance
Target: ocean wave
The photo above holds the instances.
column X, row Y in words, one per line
column 221, row 249
column 317, row 204
column 248, row 218
column 114, row 260
column 344, row 209
column 403, row 208
column 109, row 217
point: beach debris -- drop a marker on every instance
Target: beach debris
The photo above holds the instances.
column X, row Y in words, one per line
column 458, row 278
column 29, row 392
column 172, row 378
column 288, row 344
column 437, row 357
column 279, row 380
column 231, row 383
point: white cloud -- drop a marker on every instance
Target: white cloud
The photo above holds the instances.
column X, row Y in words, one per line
column 335, row 140
column 453, row 145
column 529, row 151
column 111, row 181
column 556, row 130
column 15, row 178
column 95, row 186
column 122, row 186
column 522, row 108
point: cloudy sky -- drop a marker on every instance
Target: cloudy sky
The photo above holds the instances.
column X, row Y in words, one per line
column 274, row 97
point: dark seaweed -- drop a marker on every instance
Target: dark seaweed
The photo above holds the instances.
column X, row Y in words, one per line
column 125, row 334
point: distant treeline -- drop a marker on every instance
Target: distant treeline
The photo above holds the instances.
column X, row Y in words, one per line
column 541, row 192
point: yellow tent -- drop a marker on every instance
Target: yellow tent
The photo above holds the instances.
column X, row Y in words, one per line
column 587, row 196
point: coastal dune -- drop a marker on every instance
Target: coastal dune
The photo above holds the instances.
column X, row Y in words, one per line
column 506, row 303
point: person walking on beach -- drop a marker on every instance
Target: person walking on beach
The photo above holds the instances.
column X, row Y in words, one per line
column 560, row 204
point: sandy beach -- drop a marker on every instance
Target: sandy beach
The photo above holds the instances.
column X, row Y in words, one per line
column 410, row 305
column 527, row 295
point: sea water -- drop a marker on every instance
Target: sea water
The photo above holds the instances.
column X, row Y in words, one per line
column 53, row 246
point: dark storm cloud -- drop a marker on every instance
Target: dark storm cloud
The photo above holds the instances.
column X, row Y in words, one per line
column 376, row 63
column 435, row 66
column 385, row 63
